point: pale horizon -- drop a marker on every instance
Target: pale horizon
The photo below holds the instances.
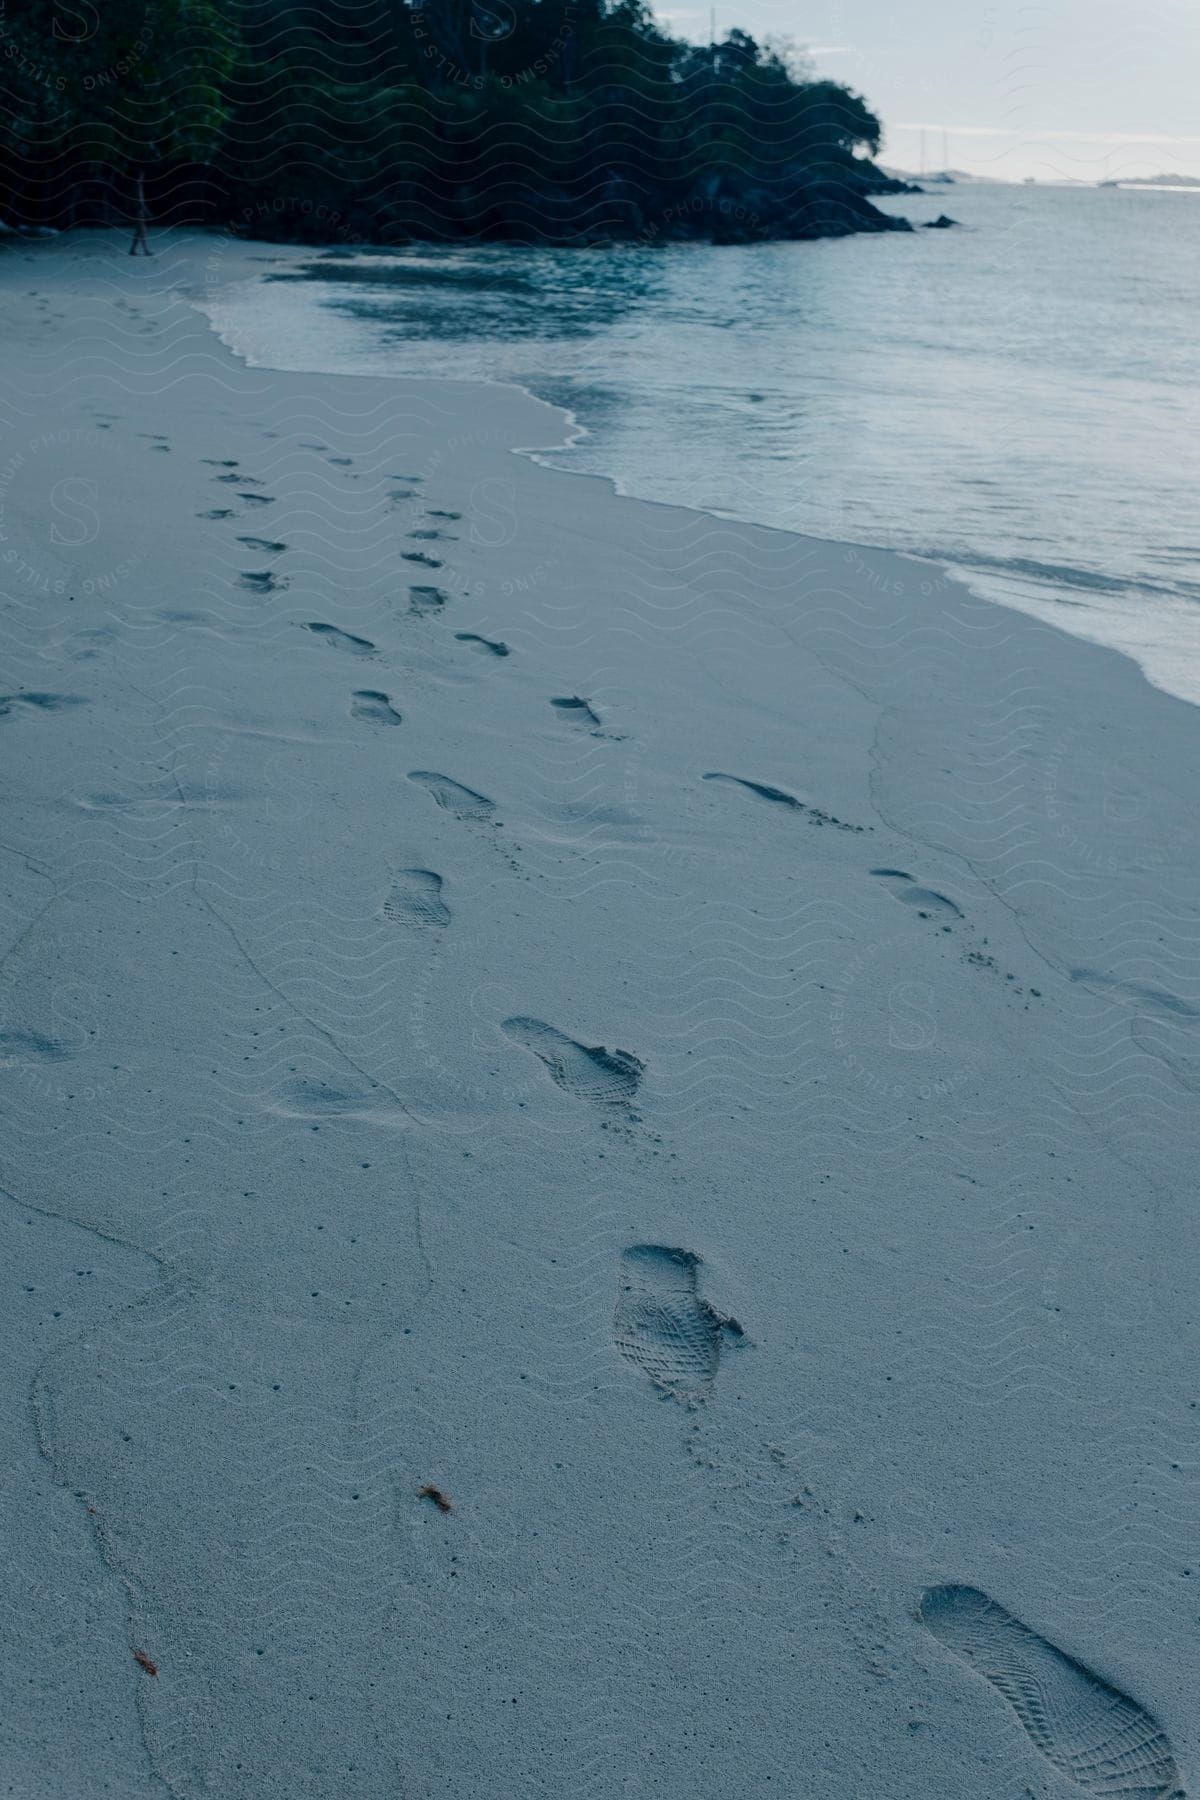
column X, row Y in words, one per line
column 1066, row 93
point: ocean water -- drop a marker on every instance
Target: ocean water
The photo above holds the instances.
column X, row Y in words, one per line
column 1018, row 399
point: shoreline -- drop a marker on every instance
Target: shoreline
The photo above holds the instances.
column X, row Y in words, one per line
column 455, row 915
column 1158, row 629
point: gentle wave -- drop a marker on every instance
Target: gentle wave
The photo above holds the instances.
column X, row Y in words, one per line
column 1018, row 400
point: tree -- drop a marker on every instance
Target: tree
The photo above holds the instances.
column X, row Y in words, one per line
column 92, row 90
column 561, row 119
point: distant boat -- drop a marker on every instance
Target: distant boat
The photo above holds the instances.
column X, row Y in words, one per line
column 1030, row 180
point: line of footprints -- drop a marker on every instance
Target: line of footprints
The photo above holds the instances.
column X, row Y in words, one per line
column 1092, row 1733
column 1095, row 1735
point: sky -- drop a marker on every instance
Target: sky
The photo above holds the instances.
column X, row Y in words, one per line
column 1085, row 90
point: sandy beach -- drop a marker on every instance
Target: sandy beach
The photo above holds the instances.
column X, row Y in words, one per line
column 600, row 1118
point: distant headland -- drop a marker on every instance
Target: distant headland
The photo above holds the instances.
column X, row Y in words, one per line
column 544, row 121
column 1152, row 181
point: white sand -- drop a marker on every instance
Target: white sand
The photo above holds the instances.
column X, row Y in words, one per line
column 313, row 1198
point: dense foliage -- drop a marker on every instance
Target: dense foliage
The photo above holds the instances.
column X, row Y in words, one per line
column 573, row 120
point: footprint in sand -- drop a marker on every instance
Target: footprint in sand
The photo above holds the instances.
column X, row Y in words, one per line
column 220, row 462
column 577, row 709
column 452, row 797
column 18, row 1046
column 268, row 546
column 84, row 646
column 261, row 581
column 415, row 898
column 585, row 1071
column 217, row 512
column 308, row 1097
column 927, row 901
column 374, row 708
column 256, row 499
column 430, row 536
column 779, row 795
column 815, row 815
column 232, row 480
column 494, row 648
column 341, row 462
column 436, row 513
column 1092, row 1733
column 39, row 702
column 419, row 556
column 342, row 640
column 426, row 599
column 664, row 1326
column 1157, row 999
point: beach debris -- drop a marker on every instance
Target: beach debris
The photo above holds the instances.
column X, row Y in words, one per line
column 440, row 1498
column 144, row 1662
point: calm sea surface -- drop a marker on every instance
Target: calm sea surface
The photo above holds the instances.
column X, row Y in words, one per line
column 1018, row 399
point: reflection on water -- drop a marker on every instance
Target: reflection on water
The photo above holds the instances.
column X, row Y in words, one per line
column 465, row 297
column 1018, row 398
